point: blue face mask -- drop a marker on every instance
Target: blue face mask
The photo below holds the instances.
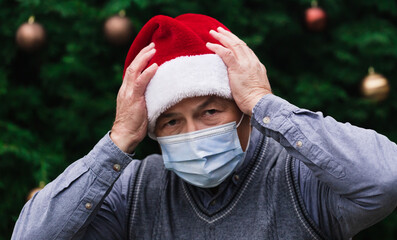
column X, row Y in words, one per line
column 203, row 158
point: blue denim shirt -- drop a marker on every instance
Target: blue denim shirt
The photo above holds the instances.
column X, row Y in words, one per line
column 345, row 172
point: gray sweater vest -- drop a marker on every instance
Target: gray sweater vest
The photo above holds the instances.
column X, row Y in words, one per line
column 268, row 204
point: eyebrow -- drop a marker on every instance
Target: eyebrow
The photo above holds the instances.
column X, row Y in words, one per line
column 168, row 115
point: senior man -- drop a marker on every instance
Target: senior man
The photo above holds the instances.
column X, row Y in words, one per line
column 237, row 161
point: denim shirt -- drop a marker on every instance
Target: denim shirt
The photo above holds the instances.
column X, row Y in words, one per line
column 347, row 178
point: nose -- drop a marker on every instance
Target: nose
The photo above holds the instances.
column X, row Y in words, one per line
column 191, row 125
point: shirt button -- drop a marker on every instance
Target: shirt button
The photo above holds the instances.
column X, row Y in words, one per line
column 266, row 120
column 88, row 205
column 116, row 167
column 213, row 203
column 236, row 177
column 299, row 143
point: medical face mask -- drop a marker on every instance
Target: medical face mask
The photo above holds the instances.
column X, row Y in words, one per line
column 203, row 158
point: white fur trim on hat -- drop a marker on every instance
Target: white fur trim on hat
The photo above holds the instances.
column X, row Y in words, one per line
column 184, row 77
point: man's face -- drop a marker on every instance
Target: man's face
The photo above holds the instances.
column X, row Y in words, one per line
column 192, row 114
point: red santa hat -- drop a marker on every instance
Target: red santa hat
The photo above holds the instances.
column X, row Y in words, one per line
column 187, row 68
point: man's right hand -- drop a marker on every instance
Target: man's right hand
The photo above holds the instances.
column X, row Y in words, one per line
column 130, row 125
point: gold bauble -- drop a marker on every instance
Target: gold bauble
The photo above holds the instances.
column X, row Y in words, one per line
column 32, row 192
column 118, row 29
column 35, row 190
column 375, row 86
column 30, row 36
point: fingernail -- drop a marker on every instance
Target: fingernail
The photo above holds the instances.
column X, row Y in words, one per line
column 151, row 44
column 221, row 29
column 154, row 65
column 212, row 31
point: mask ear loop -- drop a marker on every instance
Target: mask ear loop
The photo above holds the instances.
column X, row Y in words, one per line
column 241, row 119
column 246, row 148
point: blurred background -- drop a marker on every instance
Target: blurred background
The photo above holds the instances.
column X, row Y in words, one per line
column 61, row 65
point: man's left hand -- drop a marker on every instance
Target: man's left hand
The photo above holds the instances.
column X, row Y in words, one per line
column 247, row 75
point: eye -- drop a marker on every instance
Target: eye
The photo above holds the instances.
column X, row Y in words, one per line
column 210, row 111
column 171, row 123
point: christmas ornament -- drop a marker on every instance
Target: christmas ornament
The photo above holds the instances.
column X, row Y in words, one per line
column 118, row 29
column 375, row 86
column 30, row 36
column 35, row 190
column 316, row 18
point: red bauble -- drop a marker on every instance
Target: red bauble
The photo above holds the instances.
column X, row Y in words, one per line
column 30, row 36
column 118, row 29
column 316, row 19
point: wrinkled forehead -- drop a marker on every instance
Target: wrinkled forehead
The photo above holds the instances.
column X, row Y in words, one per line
column 193, row 104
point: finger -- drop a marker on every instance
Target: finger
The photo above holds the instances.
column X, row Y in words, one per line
column 227, row 42
column 231, row 35
column 143, row 61
column 144, row 79
column 227, row 37
column 145, row 49
column 240, row 43
column 239, row 48
column 138, row 65
column 135, row 69
column 225, row 53
column 132, row 69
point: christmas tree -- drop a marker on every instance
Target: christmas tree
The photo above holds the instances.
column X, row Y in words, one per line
column 58, row 98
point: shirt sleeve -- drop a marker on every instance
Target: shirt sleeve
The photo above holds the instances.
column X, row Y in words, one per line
column 65, row 207
column 348, row 173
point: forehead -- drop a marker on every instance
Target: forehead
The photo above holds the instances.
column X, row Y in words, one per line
column 195, row 103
